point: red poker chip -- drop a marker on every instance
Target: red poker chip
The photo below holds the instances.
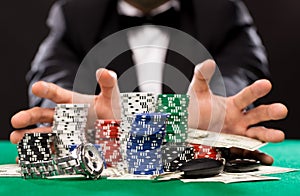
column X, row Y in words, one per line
column 106, row 137
column 107, row 121
column 203, row 151
column 100, row 127
column 106, row 134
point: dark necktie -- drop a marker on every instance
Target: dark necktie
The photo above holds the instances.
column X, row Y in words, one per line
column 168, row 18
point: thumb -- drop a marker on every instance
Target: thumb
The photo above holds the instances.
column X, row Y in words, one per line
column 108, row 82
column 107, row 104
column 202, row 75
column 200, row 95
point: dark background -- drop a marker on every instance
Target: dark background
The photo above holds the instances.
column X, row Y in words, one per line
column 23, row 28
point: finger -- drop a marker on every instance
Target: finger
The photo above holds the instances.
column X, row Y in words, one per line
column 107, row 81
column 202, row 75
column 251, row 93
column 32, row 116
column 257, row 155
column 265, row 134
column 16, row 136
column 52, row 92
column 108, row 102
column 263, row 113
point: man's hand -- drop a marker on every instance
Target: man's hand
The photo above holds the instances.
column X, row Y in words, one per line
column 215, row 113
column 104, row 105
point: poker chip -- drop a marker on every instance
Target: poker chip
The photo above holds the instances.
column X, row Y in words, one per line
column 148, row 139
column 203, row 151
column 69, row 125
column 175, row 154
column 107, row 136
column 133, row 104
column 35, row 147
column 176, row 105
column 144, row 141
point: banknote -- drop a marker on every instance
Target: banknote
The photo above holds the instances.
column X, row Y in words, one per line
column 10, row 170
column 232, row 178
column 210, row 138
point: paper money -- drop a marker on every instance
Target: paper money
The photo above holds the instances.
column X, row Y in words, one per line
column 231, row 178
column 13, row 170
column 10, row 170
column 264, row 169
column 226, row 177
column 210, row 138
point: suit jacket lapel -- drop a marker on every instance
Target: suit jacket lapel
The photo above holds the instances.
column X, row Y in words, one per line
column 122, row 64
column 175, row 61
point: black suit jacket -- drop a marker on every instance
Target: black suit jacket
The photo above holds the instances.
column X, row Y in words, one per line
column 224, row 27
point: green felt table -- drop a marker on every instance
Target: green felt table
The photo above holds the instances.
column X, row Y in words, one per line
column 286, row 154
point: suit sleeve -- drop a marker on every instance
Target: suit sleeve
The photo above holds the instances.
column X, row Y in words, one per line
column 55, row 60
column 242, row 58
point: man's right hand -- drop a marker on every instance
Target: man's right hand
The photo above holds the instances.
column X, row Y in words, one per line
column 105, row 105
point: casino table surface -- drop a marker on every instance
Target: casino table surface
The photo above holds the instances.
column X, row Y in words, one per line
column 286, row 154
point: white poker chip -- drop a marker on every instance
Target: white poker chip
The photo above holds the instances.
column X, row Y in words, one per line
column 73, row 105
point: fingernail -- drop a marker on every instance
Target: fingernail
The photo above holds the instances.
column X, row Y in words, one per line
column 113, row 74
column 98, row 73
column 198, row 67
column 45, row 87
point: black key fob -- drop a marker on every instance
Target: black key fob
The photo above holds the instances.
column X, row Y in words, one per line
column 200, row 168
column 241, row 165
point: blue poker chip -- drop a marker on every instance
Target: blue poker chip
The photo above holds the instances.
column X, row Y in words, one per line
column 149, row 172
column 141, row 125
column 151, row 117
column 155, row 162
column 142, row 147
column 144, row 163
column 140, row 142
column 146, row 152
column 133, row 136
column 135, row 157
column 145, row 139
column 145, row 167
column 146, row 131
column 137, row 134
column 144, row 142
column 152, row 143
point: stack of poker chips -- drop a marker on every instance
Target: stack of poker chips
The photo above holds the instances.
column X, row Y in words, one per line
column 132, row 104
column 203, row 151
column 90, row 135
column 144, row 154
column 35, row 147
column 107, row 136
column 177, row 106
column 175, row 155
column 69, row 126
column 175, row 150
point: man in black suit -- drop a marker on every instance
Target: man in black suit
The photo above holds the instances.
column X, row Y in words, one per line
column 224, row 27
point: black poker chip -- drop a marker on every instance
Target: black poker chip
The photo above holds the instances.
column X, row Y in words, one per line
column 200, row 168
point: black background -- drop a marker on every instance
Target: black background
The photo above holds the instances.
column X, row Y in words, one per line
column 23, row 28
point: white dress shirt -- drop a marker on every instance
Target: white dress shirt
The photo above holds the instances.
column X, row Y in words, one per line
column 149, row 46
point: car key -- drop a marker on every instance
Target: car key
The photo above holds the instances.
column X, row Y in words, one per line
column 200, row 168
column 241, row 165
